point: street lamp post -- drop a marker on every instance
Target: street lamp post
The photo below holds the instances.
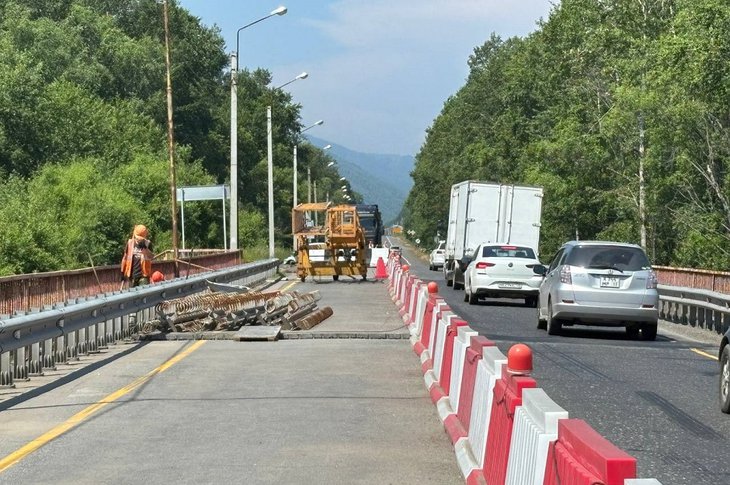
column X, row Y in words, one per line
column 270, row 164
column 303, row 75
column 296, row 182
column 234, row 129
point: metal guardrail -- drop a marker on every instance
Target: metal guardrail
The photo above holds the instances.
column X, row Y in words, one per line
column 699, row 308
column 33, row 341
column 34, row 291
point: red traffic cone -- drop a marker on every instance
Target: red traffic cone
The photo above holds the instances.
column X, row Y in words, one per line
column 380, row 272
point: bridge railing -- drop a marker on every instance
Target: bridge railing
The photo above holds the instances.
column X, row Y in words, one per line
column 22, row 293
column 717, row 281
column 31, row 342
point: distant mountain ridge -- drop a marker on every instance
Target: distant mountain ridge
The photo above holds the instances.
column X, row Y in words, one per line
column 382, row 179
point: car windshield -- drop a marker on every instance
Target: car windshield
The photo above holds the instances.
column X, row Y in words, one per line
column 621, row 258
column 508, row 251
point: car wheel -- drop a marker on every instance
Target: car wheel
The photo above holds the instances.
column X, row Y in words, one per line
column 302, row 278
column 430, row 267
column 473, row 299
column 648, row 331
column 531, row 301
column 725, row 380
column 632, row 331
column 553, row 324
column 335, row 277
column 449, row 282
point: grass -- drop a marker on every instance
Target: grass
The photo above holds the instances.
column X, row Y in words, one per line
column 257, row 253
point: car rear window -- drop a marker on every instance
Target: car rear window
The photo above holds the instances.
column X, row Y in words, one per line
column 505, row 251
column 624, row 258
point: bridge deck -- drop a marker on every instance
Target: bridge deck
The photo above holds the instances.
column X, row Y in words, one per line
column 329, row 410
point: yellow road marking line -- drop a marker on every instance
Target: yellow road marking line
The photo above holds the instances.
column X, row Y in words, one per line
column 81, row 416
column 289, row 286
column 704, row 354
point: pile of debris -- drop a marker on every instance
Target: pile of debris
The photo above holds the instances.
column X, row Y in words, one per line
column 235, row 307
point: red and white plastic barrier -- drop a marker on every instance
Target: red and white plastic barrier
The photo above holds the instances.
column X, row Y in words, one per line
column 581, row 456
column 470, row 451
column 505, row 430
column 535, row 427
column 448, row 405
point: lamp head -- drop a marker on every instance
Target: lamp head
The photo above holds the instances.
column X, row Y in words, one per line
column 327, row 147
column 303, row 75
column 279, row 10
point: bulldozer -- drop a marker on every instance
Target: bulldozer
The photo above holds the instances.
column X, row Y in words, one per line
column 334, row 248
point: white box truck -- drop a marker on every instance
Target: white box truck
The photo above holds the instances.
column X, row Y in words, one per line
column 487, row 212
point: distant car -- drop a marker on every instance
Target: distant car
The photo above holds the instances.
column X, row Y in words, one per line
column 599, row 283
column 290, row 260
column 502, row 271
column 724, row 357
column 437, row 257
column 395, row 250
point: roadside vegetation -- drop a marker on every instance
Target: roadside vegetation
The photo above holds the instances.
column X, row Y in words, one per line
column 601, row 95
column 83, row 133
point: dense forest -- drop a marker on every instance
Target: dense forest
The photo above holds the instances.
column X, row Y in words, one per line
column 83, row 133
column 620, row 109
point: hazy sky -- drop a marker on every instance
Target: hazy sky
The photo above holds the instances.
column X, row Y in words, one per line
column 379, row 70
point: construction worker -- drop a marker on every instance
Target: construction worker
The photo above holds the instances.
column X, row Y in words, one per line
column 137, row 259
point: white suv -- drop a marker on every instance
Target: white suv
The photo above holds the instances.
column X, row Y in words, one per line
column 437, row 257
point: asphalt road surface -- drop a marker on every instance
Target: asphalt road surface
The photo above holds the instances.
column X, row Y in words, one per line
column 658, row 401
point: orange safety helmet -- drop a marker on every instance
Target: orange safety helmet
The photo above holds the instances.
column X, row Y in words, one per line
column 157, row 277
column 140, row 232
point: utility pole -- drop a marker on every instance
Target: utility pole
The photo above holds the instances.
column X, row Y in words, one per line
column 270, row 165
column 642, row 188
column 315, row 201
column 234, row 153
column 171, row 140
column 309, row 185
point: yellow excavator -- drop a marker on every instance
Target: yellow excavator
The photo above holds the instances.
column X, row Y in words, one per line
column 334, row 248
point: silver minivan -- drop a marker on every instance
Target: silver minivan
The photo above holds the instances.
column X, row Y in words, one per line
column 599, row 283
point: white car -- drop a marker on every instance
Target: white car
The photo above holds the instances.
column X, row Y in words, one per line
column 502, row 271
column 437, row 257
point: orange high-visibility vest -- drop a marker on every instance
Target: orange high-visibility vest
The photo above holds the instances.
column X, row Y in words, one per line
column 145, row 257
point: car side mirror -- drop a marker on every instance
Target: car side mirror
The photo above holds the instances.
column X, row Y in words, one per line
column 539, row 269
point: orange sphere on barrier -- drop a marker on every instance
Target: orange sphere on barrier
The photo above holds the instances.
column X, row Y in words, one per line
column 519, row 360
column 433, row 287
column 406, row 267
column 157, row 277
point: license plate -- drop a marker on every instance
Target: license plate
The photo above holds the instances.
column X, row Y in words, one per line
column 510, row 285
column 609, row 282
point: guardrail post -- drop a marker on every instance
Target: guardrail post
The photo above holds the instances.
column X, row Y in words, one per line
column 72, row 347
column 702, row 317
column 20, row 369
column 117, row 330
column 52, row 350
column 91, row 342
column 689, row 314
column 35, row 368
column 82, row 347
column 6, row 372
